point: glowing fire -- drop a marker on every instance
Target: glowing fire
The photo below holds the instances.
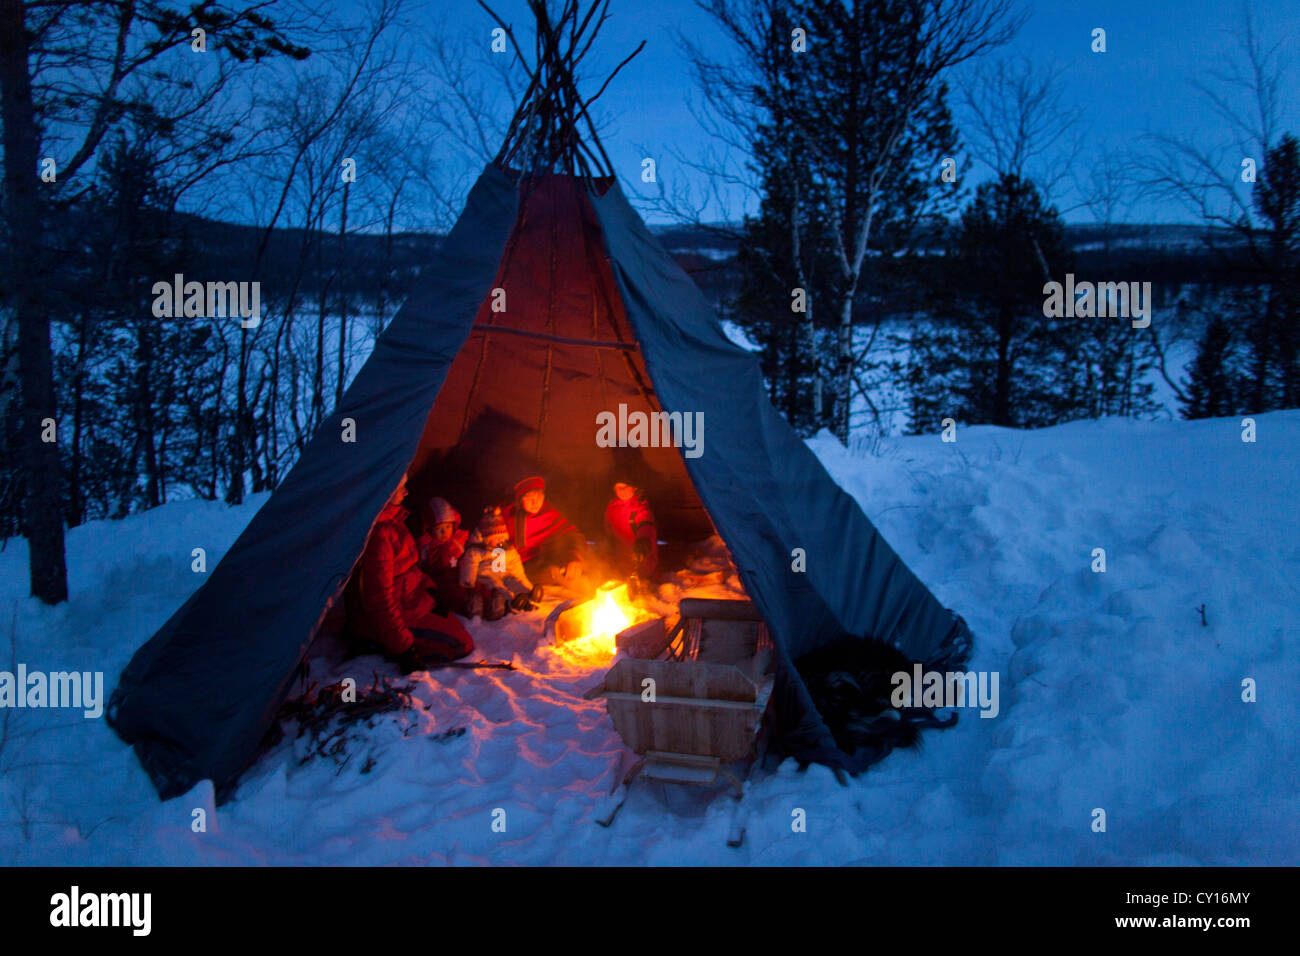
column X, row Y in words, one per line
column 608, row 618
column 604, row 616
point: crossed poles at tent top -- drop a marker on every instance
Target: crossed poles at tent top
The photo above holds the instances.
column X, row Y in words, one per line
column 549, row 111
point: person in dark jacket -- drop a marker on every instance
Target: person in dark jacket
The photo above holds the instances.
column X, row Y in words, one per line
column 548, row 543
column 630, row 524
column 393, row 608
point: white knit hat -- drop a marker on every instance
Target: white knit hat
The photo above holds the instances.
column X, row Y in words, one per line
column 442, row 511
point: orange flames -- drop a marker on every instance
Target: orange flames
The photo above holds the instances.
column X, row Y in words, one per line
column 601, row 619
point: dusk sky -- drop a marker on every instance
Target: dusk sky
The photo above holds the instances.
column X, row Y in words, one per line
column 1142, row 84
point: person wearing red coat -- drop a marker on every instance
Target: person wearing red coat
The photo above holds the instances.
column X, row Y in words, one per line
column 545, row 538
column 393, row 608
column 630, row 524
column 441, row 545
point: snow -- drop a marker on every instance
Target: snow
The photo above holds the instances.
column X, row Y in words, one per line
column 707, row 252
column 739, row 336
column 1113, row 693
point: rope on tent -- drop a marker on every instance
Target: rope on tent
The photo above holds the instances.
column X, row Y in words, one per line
column 558, row 339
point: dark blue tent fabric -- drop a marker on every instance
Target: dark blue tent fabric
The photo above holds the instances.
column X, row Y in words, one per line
column 197, row 699
column 765, row 490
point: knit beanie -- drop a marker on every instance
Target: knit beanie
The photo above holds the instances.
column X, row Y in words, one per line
column 443, row 512
column 532, row 483
column 492, row 523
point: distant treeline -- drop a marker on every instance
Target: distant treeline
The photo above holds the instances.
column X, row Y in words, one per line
column 1168, row 255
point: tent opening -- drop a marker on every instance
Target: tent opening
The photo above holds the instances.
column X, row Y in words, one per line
column 551, row 382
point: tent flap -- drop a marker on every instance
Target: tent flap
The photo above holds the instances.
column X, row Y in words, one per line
column 764, row 489
column 198, row 697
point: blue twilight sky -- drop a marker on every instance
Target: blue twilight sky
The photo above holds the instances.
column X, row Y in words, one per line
column 1142, row 84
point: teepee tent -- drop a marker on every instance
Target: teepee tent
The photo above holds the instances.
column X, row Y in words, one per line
column 548, row 303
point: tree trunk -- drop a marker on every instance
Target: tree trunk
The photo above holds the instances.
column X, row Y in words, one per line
column 814, row 365
column 40, row 459
column 1263, row 357
column 808, row 329
column 844, row 370
column 343, row 305
column 76, row 507
column 215, row 425
column 240, row 438
column 1002, row 382
column 386, row 275
column 144, row 423
column 318, row 364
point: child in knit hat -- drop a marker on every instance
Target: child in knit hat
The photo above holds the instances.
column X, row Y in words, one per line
column 492, row 571
column 441, row 544
column 547, row 541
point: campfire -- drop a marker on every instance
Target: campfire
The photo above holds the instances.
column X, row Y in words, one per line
column 585, row 633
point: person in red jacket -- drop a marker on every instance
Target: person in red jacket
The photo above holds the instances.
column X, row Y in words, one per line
column 441, row 545
column 393, row 608
column 630, row 524
column 546, row 540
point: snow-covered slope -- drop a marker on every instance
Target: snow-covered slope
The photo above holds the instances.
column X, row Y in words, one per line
column 1114, row 695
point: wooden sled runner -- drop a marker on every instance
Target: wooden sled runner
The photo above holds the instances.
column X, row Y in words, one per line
column 697, row 714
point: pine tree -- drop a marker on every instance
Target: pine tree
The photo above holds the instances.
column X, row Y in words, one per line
column 1275, row 333
column 1214, row 383
column 992, row 357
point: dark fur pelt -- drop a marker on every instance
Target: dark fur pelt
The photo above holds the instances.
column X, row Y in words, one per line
column 850, row 682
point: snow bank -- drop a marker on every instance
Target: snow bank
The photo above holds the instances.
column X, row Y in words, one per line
column 1114, row 695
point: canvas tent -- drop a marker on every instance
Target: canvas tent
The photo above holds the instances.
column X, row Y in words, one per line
column 549, row 302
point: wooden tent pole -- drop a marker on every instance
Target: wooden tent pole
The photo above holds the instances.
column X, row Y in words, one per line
column 549, row 113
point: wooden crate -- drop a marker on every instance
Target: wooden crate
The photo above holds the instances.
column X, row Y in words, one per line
column 708, row 699
column 698, row 708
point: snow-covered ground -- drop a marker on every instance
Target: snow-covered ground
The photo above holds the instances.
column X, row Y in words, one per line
column 1113, row 693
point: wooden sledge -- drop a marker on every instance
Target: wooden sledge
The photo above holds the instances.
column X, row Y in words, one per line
column 699, row 712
